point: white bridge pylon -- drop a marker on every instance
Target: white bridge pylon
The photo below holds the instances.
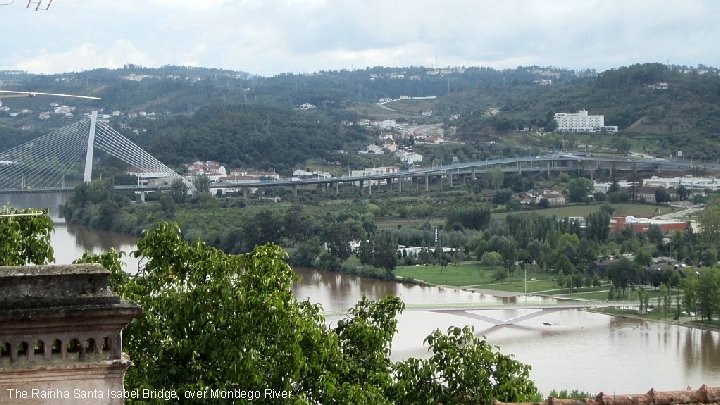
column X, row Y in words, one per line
column 44, row 162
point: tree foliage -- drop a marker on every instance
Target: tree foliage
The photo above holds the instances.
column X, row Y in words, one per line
column 25, row 237
column 463, row 369
column 578, row 189
column 709, row 218
column 623, row 273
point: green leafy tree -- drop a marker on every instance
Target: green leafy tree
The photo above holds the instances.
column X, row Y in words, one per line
column 202, row 184
column 710, row 220
column 578, row 189
column 178, row 190
column 463, row 369
column 708, row 293
column 661, row 195
column 491, row 258
column 621, row 144
column 385, row 251
column 469, row 217
column 623, row 273
column 690, row 294
column 643, row 258
column 598, row 226
column 496, row 177
column 25, row 237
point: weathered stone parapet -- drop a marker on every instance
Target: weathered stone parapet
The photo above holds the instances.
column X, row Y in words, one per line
column 61, row 329
column 27, row 287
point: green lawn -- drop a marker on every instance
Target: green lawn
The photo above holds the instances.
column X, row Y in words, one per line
column 476, row 275
column 465, row 274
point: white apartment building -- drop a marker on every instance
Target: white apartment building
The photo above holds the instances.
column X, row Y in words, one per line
column 689, row 182
column 581, row 121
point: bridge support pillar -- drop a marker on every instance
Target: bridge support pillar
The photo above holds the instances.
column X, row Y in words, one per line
column 294, row 191
column 142, row 196
column 337, row 188
column 400, row 185
column 474, row 176
column 370, row 187
column 87, row 177
column 450, row 175
column 362, row 185
column 427, row 182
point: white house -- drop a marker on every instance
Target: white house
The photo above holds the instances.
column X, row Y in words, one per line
column 409, row 157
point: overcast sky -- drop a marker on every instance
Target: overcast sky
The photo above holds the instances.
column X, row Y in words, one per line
column 268, row 37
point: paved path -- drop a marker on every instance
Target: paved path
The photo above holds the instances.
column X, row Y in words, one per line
column 680, row 214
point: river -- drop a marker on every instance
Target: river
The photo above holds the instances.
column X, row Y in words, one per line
column 572, row 349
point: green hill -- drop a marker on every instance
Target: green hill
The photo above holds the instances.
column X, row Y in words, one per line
column 237, row 117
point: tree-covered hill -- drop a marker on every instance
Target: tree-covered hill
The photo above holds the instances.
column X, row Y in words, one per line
column 252, row 136
column 682, row 116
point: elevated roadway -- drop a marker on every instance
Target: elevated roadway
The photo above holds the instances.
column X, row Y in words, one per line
column 545, row 163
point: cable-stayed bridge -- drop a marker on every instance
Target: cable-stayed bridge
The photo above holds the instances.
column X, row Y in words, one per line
column 45, row 162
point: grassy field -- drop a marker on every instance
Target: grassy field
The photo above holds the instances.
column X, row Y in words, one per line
column 638, row 210
column 473, row 274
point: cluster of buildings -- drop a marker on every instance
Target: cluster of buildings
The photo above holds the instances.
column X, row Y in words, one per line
column 647, row 189
column 391, row 134
column 216, row 172
column 534, row 197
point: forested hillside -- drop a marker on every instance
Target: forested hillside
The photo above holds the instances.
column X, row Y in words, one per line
column 660, row 108
column 684, row 116
column 252, row 136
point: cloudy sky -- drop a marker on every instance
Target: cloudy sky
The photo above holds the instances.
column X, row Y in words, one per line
column 268, row 37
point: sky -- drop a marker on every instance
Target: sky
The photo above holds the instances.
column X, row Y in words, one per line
column 269, row 37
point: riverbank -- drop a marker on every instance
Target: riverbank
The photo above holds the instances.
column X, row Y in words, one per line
column 655, row 317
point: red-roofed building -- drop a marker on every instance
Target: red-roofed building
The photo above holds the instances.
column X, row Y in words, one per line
column 643, row 224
